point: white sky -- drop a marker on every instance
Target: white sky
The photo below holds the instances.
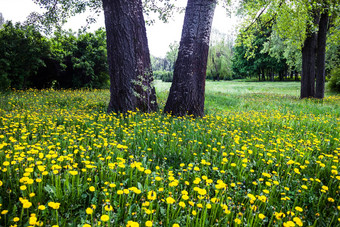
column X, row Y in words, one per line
column 160, row 35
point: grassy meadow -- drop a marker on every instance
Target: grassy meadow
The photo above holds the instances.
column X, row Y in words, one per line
column 260, row 157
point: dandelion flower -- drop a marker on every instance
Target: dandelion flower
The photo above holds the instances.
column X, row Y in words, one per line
column 104, row 218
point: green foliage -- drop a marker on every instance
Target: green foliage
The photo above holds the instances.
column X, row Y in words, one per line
column 29, row 60
column 334, row 82
column 219, row 66
column 290, row 21
column 171, row 55
column 159, row 64
column 163, row 67
column 263, row 57
column 333, row 48
column 83, row 59
column 22, row 50
column 165, row 76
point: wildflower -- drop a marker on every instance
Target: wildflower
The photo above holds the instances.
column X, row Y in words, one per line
column 89, row 211
column 262, row 216
column 132, row 224
column 148, row 223
column 32, row 220
column 298, row 221
column 298, row 209
column 279, row 215
column 324, row 188
column 41, row 207
column 104, row 218
column 152, row 195
column 27, row 205
column 73, row 172
column 265, row 191
column 147, row 171
column 170, row 200
column 16, row 219
column 54, row 205
column 289, row 224
column 175, row 225
column 4, row 212
column 330, row 200
column 237, row 221
column 108, row 208
column 181, row 204
column 23, row 187
column 92, row 189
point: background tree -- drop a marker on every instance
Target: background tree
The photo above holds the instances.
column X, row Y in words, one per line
column 22, row 49
column 2, row 20
column 171, row 55
column 262, row 57
column 81, row 60
column 219, row 64
column 187, row 90
column 298, row 22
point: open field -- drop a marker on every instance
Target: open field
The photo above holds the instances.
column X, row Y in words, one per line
column 260, row 157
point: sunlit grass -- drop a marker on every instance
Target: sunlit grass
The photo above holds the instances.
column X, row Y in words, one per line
column 257, row 158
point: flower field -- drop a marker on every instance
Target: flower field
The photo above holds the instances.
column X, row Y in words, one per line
column 65, row 162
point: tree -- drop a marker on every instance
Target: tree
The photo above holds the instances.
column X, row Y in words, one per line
column 187, row 90
column 22, row 50
column 128, row 57
column 127, row 48
column 172, row 54
column 304, row 24
column 78, row 60
column 2, row 20
column 219, row 58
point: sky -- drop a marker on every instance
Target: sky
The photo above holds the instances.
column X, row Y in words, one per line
column 160, row 35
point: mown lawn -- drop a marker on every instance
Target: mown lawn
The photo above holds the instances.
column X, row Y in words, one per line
column 259, row 157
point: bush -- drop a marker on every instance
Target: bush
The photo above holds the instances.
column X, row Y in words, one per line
column 165, row 76
column 334, row 82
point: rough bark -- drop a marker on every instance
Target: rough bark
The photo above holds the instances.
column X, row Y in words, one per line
column 308, row 64
column 321, row 56
column 187, row 90
column 128, row 57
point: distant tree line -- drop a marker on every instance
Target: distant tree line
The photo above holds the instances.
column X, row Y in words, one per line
column 65, row 60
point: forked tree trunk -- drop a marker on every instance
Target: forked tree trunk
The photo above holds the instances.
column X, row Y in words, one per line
column 321, row 56
column 187, row 90
column 128, row 57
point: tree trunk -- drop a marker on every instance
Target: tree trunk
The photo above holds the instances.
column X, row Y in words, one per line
column 263, row 76
column 321, row 56
column 272, row 75
column 187, row 90
column 128, row 57
column 308, row 66
column 296, row 73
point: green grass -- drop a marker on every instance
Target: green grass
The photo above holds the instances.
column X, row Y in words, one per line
column 260, row 157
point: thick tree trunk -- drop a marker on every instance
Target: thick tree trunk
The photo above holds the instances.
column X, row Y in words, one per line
column 308, row 67
column 321, row 56
column 128, row 57
column 187, row 90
